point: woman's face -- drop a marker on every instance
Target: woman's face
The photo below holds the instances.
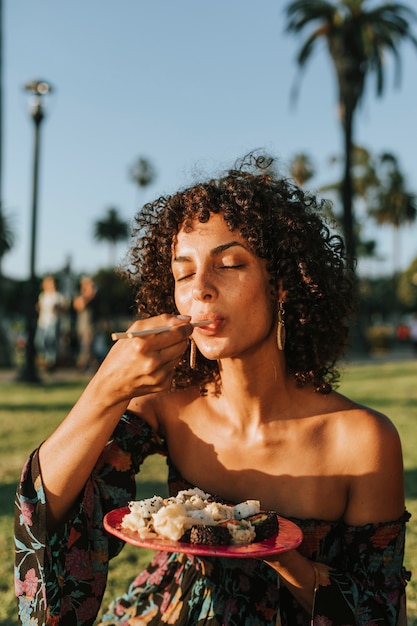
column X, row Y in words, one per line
column 218, row 278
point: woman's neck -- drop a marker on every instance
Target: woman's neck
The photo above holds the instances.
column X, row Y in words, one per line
column 253, row 386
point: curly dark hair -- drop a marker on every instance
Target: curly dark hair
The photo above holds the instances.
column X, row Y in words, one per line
column 283, row 225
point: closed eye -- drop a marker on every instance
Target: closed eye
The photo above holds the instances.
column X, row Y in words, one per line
column 185, row 277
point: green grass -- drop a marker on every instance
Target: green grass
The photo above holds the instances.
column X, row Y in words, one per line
column 29, row 413
column 392, row 389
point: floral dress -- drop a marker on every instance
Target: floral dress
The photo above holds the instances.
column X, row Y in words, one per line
column 60, row 578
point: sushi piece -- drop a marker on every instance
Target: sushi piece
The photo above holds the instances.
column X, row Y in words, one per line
column 241, row 531
column 207, row 535
column 265, row 524
column 210, row 535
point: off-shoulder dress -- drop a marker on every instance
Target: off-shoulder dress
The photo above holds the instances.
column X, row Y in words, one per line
column 60, row 578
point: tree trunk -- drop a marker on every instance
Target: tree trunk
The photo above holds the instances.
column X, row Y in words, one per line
column 358, row 341
column 347, row 191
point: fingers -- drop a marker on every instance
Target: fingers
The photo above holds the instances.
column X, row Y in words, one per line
column 145, row 364
column 169, row 344
column 161, row 324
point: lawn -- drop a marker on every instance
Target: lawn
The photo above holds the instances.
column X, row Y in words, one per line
column 29, row 413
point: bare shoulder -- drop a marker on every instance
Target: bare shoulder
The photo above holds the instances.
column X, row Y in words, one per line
column 370, row 447
column 366, row 429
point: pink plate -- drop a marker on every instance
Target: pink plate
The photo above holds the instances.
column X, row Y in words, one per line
column 288, row 537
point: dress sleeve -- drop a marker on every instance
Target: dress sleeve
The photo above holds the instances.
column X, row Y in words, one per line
column 61, row 578
column 368, row 586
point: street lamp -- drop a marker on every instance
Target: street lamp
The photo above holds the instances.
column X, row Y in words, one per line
column 29, row 373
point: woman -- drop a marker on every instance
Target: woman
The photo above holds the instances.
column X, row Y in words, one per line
column 51, row 303
column 254, row 415
column 88, row 307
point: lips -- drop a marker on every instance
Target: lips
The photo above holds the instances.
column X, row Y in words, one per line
column 213, row 327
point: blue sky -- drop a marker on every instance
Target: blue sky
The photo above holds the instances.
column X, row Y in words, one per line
column 191, row 85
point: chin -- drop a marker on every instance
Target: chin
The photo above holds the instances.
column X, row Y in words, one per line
column 218, row 352
column 212, row 356
column 218, row 355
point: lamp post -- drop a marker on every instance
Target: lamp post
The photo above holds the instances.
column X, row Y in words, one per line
column 29, row 373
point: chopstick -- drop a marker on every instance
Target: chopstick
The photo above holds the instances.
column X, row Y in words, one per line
column 152, row 331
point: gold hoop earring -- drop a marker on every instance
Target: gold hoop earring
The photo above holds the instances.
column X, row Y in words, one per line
column 193, row 353
column 281, row 327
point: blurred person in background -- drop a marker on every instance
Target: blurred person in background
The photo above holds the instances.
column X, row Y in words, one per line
column 51, row 303
column 87, row 305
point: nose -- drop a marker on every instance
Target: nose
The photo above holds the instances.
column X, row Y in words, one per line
column 204, row 287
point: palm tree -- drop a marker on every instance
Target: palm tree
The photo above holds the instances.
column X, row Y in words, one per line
column 391, row 202
column 357, row 38
column 407, row 287
column 111, row 229
column 6, row 236
column 364, row 178
column 301, row 168
column 6, row 244
column 142, row 173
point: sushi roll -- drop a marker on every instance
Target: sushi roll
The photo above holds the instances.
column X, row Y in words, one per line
column 208, row 535
column 241, row 531
column 265, row 524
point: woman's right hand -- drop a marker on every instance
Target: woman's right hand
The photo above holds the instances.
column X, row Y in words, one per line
column 139, row 366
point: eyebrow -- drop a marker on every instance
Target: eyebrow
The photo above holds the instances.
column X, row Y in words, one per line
column 214, row 252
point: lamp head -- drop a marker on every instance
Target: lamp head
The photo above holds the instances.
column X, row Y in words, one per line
column 38, row 87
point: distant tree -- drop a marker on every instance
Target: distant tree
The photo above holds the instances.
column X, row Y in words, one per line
column 111, row 229
column 407, row 287
column 6, row 244
column 119, row 293
column 378, row 298
column 301, row 168
column 363, row 169
column 357, row 39
column 142, row 173
column 7, row 237
column 379, row 182
column 391, row 202
column 364, row 178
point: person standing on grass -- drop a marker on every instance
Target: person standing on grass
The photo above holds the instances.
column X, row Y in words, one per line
column 243, row 407
column 51, row 304
column 87, row 305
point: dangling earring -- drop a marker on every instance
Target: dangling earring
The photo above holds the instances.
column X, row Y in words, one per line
column 193, row 353
column 281, row 327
